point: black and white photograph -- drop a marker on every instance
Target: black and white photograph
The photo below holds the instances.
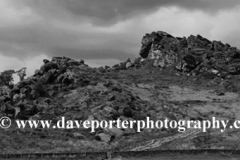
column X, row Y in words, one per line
column 120, row 79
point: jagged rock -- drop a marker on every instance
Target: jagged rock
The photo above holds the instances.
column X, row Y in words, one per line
column 45, row 61
column 81, row 61
column 16, row 98
column 6, row 77
column 48, row 66
column 37, row 90
column 129, row 64
column 73, row 62
column 9, row 109
column 49, row 77
column 23, row 90
column 60, row 78
column 217, row 46
column 193, row 54
column 25, row 82
column 27, row 110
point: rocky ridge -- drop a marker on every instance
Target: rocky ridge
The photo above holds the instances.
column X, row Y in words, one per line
column 130, row 90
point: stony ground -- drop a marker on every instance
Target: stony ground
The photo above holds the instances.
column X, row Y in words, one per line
column 147, row 92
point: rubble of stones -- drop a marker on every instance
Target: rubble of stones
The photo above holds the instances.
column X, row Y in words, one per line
column 20, row 100
column 64, row 87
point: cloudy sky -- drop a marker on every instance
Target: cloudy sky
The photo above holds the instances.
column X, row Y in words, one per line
column 104, row 32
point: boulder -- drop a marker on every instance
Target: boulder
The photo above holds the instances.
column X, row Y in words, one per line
column 48, row 66
column 110, row 110
column 61, row 70
column 190, row 61
column 23, row 90
column 127, row 112
column 103, row 137
column 49, row 76
column 78, row 135
column 9, row 109
column 60, row 78
column 16, row 98
column 15, row 89
column 116, row 132
column 25, row 82
column 2, row 99
column 129, row 64
column 27, row 110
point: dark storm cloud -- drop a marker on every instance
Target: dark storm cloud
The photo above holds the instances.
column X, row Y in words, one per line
column 110, row 11
column 53, row 40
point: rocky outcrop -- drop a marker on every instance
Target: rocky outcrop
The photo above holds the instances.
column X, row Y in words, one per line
column 194, row 54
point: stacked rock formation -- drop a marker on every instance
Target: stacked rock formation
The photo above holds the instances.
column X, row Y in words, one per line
column 194, row 54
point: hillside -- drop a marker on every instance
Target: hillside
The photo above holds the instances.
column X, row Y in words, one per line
column 175, row 78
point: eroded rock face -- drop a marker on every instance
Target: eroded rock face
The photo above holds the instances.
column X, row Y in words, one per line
column 194, row 54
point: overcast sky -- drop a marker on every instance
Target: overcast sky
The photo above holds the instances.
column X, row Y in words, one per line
column 104, row 32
